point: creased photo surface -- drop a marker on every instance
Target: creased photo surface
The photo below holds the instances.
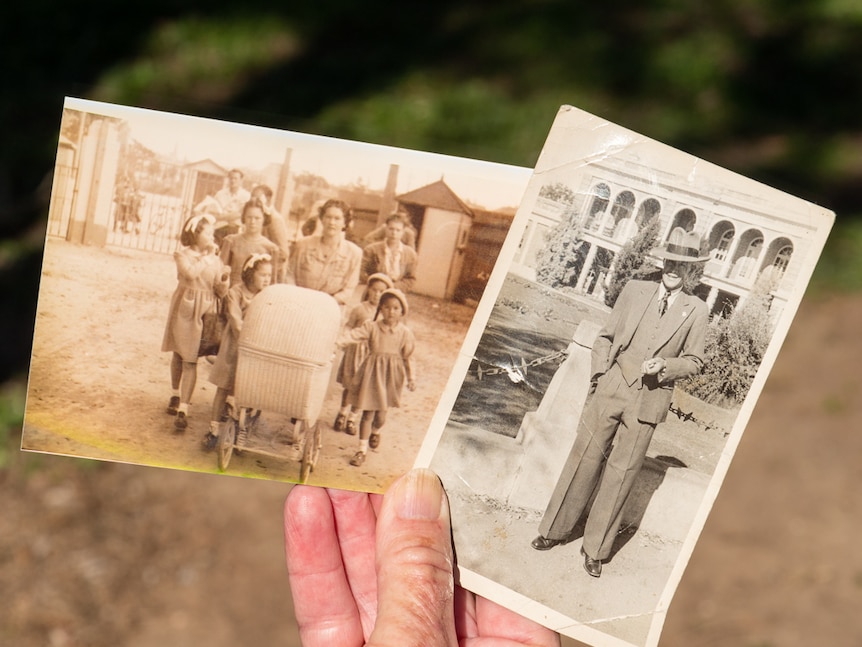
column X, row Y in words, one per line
column 625, row 335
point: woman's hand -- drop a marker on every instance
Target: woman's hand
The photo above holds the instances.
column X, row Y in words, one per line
column 371, row 570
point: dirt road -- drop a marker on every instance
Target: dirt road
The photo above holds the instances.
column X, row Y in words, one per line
column 99, row 383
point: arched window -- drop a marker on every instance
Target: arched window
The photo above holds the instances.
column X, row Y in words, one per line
column 684, row 219
column 598, row 206
column 753, row 250
column 723, row 246
column 782, row 258
column 647, row 211
column 623, row 207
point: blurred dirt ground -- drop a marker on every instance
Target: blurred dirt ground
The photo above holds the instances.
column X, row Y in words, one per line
column 106, row 554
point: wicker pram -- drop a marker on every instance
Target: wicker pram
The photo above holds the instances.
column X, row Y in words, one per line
column 285, row 353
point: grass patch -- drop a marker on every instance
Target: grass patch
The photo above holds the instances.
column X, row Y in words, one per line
column 528, row 322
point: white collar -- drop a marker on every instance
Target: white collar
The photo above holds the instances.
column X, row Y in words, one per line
column 671, row 294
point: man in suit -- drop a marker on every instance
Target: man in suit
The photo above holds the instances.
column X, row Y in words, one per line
column 653, row 337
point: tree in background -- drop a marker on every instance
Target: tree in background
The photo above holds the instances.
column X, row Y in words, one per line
column 558, row 192
column 559, row 262
column 632, row 262
column 735, row 346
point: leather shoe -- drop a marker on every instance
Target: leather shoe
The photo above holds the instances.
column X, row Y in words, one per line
column 592, row 566
column 543, row 543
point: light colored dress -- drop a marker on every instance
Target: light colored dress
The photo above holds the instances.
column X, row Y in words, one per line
column 236, row 248
column 223, row 373
column 380, row 379
column 199, row 282
column 355, row 353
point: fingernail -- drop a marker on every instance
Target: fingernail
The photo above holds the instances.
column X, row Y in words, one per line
column 419, row 496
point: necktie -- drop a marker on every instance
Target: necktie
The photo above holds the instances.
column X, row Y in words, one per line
column 662, row 304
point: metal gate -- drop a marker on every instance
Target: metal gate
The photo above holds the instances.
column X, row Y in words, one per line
column 149, row 208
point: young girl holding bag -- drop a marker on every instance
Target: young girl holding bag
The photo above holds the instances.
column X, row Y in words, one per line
column 201, row 279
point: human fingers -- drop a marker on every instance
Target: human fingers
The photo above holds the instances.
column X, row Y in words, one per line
column 323, row 603
column 491, row 625
column 356, row 529
column 415, row 584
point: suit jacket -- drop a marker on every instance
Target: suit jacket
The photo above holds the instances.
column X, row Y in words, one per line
column 374, row 260
column 680, row 342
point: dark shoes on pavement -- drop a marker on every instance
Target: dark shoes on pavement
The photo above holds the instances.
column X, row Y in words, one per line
column 374, row 440
column 358, row 459
column 181, row 422
column 173, row 405
column 350, row 428
column 543, row 543
column 592, row 566
column 340, row 420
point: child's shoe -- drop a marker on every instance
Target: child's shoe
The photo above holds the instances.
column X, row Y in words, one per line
column 374, row 440
column 350, row 428
column 173, row 405
column 209, row 441
column 340, row 420
column 358, row 459
column 181, row 422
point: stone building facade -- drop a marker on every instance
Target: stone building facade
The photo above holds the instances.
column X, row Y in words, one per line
column 749, row 238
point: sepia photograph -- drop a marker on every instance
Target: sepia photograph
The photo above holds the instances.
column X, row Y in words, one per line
column 624, row 338
column 226, row 298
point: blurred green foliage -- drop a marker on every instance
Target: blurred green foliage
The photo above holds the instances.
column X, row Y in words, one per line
column 770, row 89
column 209, row 59
column 12, row 395
column 840, row 266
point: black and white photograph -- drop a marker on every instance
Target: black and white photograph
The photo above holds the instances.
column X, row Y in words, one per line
column 227, row 298
column 625, row 335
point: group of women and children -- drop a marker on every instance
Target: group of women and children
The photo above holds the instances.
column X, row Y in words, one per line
column 376, row 363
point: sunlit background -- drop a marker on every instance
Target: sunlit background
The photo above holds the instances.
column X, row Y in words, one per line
column 768, row 88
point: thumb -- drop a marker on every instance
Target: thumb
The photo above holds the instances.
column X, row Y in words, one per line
column 415, row 582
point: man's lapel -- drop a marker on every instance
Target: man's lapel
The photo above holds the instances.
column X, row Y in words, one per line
column 646, row 297
column 676, row 314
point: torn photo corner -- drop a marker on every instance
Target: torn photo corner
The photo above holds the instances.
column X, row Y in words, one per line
column 157, row 233
column 626, row 332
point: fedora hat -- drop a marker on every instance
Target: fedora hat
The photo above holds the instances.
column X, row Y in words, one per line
column 681, row 246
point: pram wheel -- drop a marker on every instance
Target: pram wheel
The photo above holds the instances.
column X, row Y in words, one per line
column 310, row 451
column 226, row 442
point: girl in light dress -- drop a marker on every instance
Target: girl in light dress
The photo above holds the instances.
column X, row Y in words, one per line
column 256, row 274
column 384, row 372
column 354, row 354
column 201, row 278
column 236, row 248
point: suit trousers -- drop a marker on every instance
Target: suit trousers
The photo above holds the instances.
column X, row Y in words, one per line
column 605, row 459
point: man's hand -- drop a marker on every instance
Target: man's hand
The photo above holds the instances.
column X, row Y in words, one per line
column 653, row 366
